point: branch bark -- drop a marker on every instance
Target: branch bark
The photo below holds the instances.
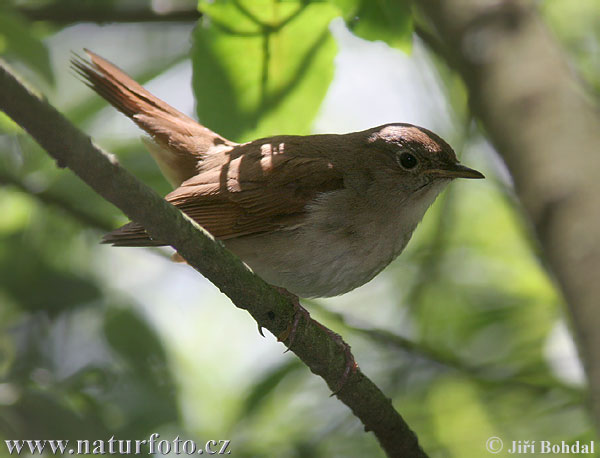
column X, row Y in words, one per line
column 65, row 13
column 312, row 344
column 539, row 119
column 442, row 357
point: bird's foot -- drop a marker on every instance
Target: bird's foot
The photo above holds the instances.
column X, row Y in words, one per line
column 290, row 333
column 350, row 366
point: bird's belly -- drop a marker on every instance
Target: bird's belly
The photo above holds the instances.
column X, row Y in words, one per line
column 312, row 263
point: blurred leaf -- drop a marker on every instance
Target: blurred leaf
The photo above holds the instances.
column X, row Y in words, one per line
column 386, row 20
column 132, row 338
column 18, row 39
column 38, row 285
column 15, row 208
column 25, row 167
column 262, row 67
column 266, row 385
column 8, row 125
column 43, row 415
column 145, row 397
column 455, row 406
column 577, row 24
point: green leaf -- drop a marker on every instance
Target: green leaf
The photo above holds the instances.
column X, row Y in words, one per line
column 8, row 125
column 262, row 67
column 45, row 415
column 386, row 20
column 264, row 387
column 18, row 39
column 577, row 25
column 148, row 376
column 131, row 337
column 37, row 284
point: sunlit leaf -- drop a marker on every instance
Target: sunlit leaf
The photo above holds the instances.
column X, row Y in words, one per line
column 262, row 68
column 8, row 125
column 386, row 20
column 455, row 406
column 15, row 208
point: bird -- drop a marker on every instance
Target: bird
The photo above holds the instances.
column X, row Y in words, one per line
column 315, row 215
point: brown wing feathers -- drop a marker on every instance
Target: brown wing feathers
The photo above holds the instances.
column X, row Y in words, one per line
column 231, row 190
column 257, row 207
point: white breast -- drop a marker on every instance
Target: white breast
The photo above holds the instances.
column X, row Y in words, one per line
column 341, row 245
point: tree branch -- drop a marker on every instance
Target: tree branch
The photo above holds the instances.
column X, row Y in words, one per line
column 537, row 116
column 445, row 358
column 312, row 344
column 65, row 13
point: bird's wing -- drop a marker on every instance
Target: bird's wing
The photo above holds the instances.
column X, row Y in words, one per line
column 250, row 194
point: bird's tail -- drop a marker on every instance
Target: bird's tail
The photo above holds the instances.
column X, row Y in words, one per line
column 181, row 142
column 131, row 234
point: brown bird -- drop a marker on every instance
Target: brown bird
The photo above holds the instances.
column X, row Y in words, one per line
column 318, row 215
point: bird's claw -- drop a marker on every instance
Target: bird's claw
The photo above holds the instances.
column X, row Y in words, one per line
column 290, row 333
column 350, row 366
column 260, row 330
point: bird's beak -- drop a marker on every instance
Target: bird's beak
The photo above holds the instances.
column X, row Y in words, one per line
column 455, row 171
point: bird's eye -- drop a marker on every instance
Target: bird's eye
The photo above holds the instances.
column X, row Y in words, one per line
column 407, row 160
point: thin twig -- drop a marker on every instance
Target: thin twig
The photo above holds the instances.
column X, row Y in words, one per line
column 63, row 13
column 443, row 358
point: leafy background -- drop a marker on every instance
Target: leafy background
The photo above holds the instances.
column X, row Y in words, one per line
column 466, row 331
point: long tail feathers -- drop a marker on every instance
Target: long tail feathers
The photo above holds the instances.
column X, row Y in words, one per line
column 182, row 140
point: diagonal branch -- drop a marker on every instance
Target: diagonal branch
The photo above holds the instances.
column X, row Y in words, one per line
column 445, row 358
column 538, row 117
column 312, row 344
column 65, row 13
